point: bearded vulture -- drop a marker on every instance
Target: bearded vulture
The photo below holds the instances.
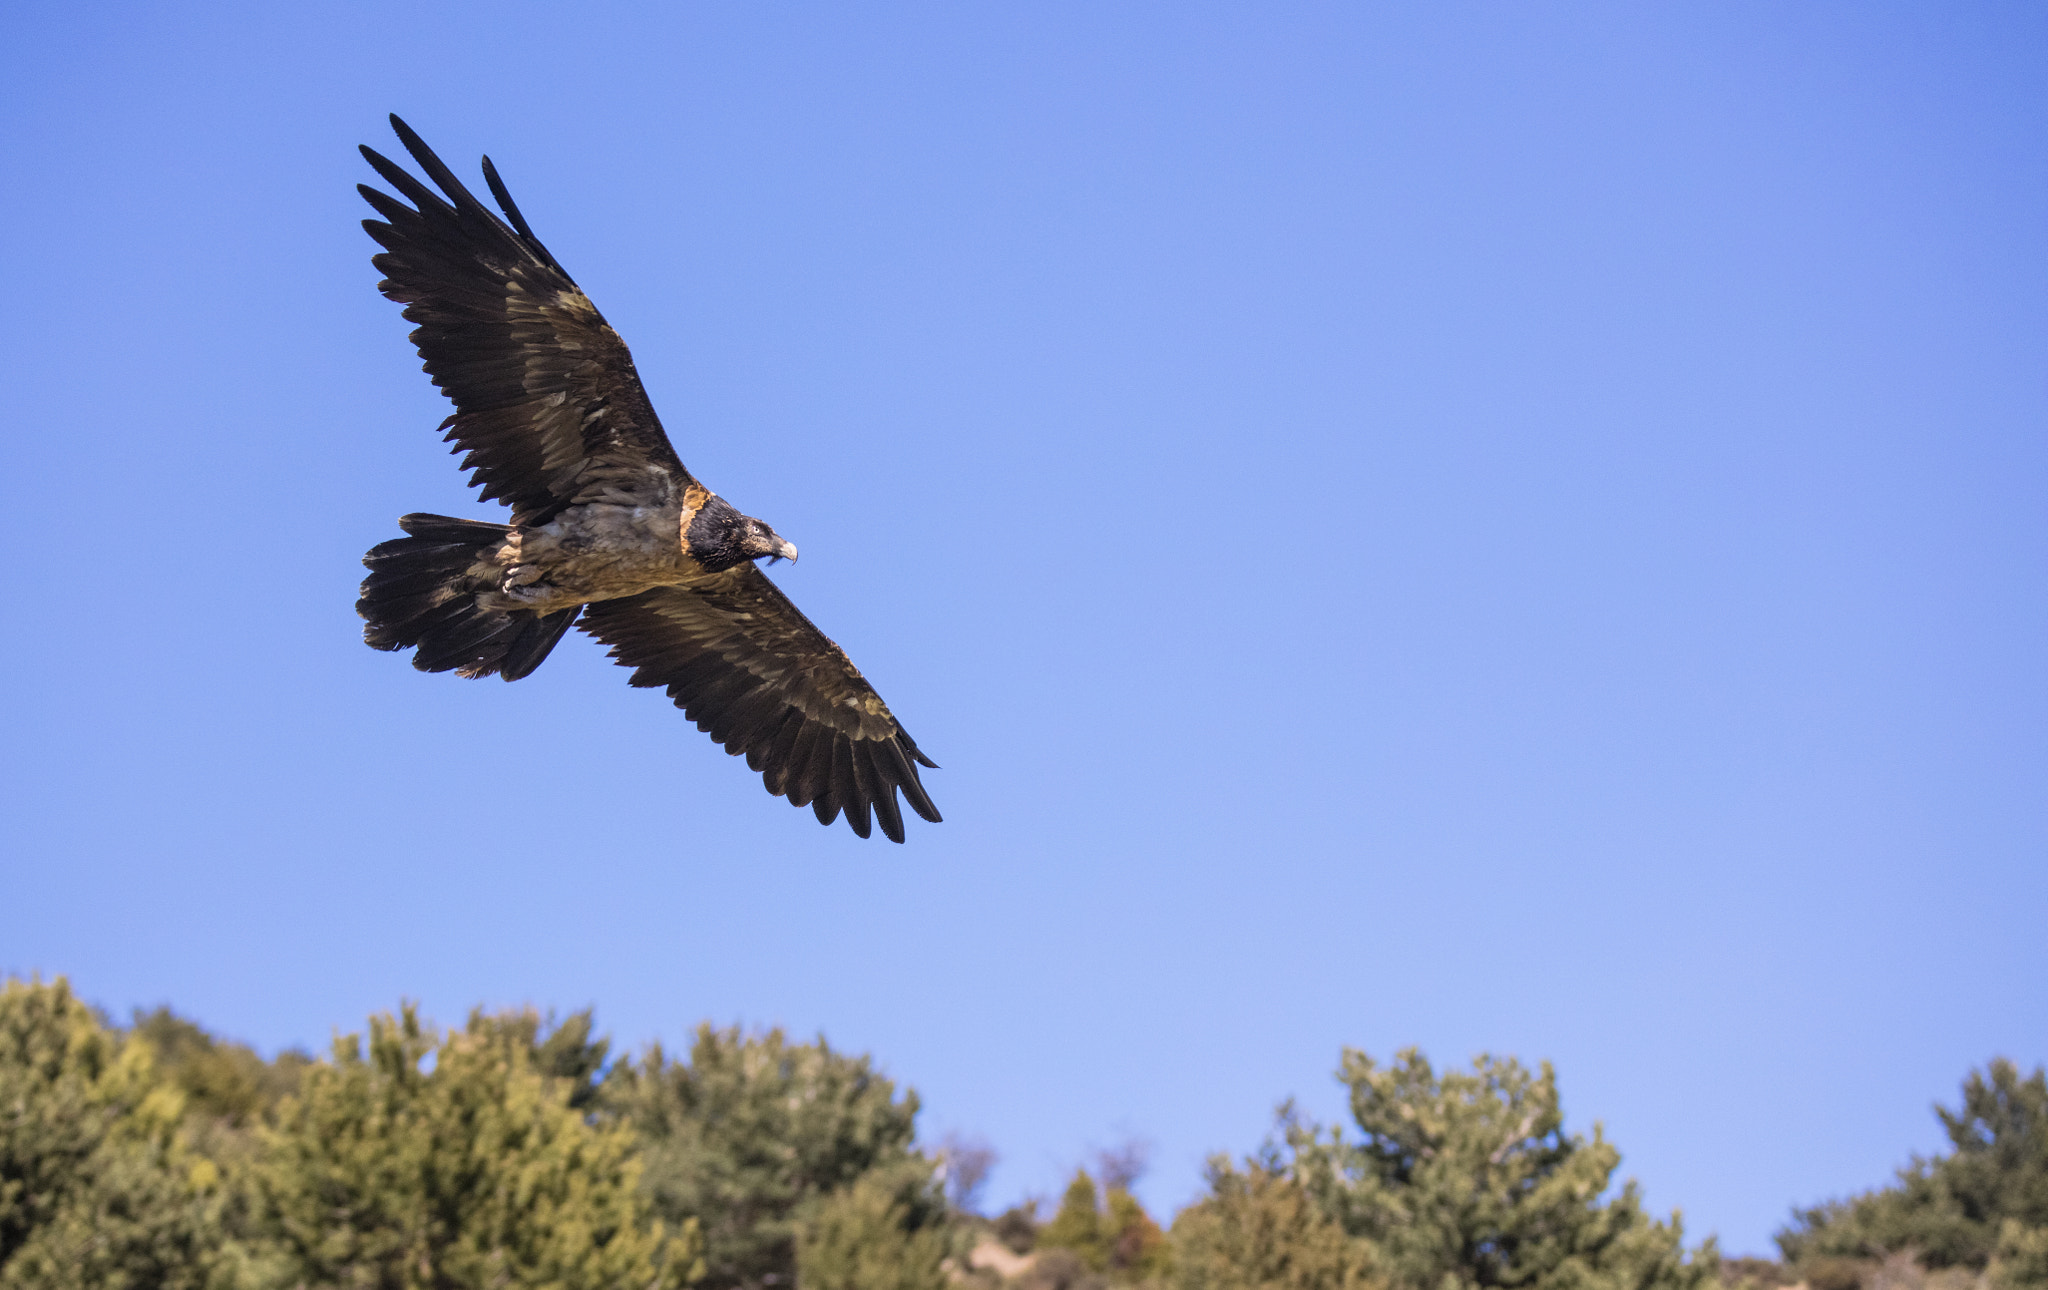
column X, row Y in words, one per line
column 607, row 527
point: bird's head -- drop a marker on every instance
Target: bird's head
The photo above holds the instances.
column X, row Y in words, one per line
column 719, row 537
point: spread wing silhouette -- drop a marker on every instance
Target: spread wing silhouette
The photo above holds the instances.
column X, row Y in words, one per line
column 549, row 416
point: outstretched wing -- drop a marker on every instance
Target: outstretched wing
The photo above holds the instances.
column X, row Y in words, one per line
column 547, row 404
column 745, row 664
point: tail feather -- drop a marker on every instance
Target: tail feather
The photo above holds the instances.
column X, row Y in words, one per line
column 536, row 637
column 422, row 592
column 447, row 528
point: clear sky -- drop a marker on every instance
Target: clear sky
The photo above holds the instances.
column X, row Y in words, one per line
column 1511, row 527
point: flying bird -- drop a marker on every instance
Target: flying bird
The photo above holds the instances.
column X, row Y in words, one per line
column 608, row 530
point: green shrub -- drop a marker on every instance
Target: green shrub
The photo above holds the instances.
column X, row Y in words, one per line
column 1112, row 1235
column 752, row 1130
column 2020, row 1261
column 1953, row 1210
column 97, row 1185
column 1469, row 1180
column 1077, row 1225
column 867, row 1237
column 1260, row 1230
column 474, row 1173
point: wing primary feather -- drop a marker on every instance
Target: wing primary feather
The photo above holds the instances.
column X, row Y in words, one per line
column 859, row 820
column 505, row 202
column 386, row 205
column 913, row 787
column 859, row 793
column 437, row 170
column 398, row 177
column 881, row 793
column 843, row 790
column 511, row 209
column 890, row 815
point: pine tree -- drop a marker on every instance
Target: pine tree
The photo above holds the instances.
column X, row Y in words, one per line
column 97, row 1186
column 1110, row 1234
column 1258, row 1229
column 2020, row 1259
column 416, row 1161
column 1077, row 1225
column 1469, row 1180
column 1138, row 1250
column 1986, row 1200
column 867, row 1237
column 753, row 1132
column 223, row 1081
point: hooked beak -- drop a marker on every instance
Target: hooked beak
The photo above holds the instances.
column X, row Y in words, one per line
column 784, row 550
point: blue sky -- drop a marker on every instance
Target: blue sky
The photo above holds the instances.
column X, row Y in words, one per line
column 1503, row 527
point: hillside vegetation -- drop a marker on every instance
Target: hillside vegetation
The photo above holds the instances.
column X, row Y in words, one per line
column 519, row 1151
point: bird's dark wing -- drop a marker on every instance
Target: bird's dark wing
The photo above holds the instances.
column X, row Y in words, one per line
column 547, row 404
column 745, row 664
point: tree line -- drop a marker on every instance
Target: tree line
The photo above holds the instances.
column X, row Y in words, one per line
column 518, row 1151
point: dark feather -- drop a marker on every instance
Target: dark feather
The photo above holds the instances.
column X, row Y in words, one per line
column 771, row 756
column 844, row 792
column 913, row 788
column 511, row 209
column 862, row 789
column 885, row 804
column 535, row 639
column 810, row 766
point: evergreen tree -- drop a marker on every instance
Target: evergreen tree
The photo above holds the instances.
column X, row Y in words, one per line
column 97, row 1188
column 1260, row 1230
column 1077, row 1224
column 866, row 1237
column 1987, row 1199
column 416, row 1161
column 1112, row 1235
column 2020, row 1260
column 1469, row 1180
column 1138, row 1250
column 222, row 1081
column 568, row 1051
column 752, row 1131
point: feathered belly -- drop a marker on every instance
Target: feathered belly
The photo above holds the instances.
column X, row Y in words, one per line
column 591, row 552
